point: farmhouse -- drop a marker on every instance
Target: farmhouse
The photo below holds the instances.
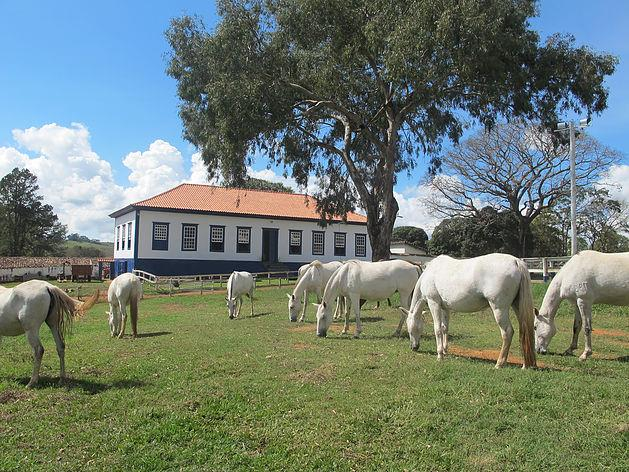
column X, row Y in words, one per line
column 203, row 229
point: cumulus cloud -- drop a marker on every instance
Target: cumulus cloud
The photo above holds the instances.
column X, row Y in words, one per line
column 80, row 184
column 413, row 211
column 617, row 180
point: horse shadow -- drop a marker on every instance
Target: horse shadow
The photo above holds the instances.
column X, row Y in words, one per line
column 255, row 315
column 89, row 387
column 152, row 335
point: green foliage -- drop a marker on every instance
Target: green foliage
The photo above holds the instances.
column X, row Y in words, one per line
column 490, row 231
column 261, row 184
column 356, row 91
column 30, row 227
column 197, row 391
column 546, row 236
column 610, row 241
column 412, row 235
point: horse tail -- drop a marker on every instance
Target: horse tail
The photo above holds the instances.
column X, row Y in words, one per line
column 65, row 309
column 526, row 316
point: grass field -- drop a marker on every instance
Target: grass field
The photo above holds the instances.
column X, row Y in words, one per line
column 198, row 391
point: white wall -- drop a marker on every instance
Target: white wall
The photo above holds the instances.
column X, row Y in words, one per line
column 231, row 222
column 123, row 221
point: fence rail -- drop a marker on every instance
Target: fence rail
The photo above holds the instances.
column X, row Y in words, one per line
column 209, row 282
column 545, row 265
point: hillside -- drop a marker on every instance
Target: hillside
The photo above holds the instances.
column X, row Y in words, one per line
column 88, row 249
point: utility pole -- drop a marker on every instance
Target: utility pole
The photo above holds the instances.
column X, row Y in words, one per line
column 570, row 127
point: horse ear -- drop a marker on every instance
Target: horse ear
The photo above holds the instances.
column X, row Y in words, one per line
column 226, row 299
column 316, row 305
column 404, row 310
column 290, row 296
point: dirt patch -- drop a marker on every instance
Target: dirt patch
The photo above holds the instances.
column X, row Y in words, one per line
column 623, row 428
column 487, row 355
column 304, row 328
column 10, row 396
column 615, row 333
column 301, row 346
column 321, row 374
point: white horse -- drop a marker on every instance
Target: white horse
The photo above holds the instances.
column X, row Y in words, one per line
column 239, row 284
column 24, row 308
column 588, row 278
column 313, row 279
column 357, row 280
column 126, row 289
column 497, row 281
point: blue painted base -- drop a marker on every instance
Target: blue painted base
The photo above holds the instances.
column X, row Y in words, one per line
column 121, row 266
column 202, row 267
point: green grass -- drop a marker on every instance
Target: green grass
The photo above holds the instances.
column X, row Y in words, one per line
column 202, row 392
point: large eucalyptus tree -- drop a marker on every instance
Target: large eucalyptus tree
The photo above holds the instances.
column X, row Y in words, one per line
column 356, row 91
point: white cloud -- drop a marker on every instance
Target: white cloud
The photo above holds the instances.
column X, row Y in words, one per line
column 412, row 210
column 79, row 183
column 617, row 179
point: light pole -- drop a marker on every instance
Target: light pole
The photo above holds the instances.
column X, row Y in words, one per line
column 570, row 127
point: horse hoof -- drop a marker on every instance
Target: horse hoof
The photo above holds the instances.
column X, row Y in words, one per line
column 584, row 357
column 31, row 384
column 568, row 352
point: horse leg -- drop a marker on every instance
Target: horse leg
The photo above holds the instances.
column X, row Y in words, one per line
column 445, row 319
column 435, row 311
column 303, row 313
column 61, row 347
column 123, row 319
column 251, row 300
column 585, row 307
column 506, row 331
column 38, row 352
column 356, row 305
column 405, row 302
column 347, row 304
column 576, row 329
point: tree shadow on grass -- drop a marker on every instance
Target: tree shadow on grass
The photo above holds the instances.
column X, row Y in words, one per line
column 89, row 387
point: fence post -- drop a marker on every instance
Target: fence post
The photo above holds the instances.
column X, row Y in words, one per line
column 201, row 285
column 170, row 287
column 268, row 277
column 545, row 269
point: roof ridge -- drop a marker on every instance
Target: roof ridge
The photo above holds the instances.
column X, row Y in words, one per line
column 246, row 189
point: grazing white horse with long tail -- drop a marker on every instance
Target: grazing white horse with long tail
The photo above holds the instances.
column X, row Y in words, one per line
column 126, row 289
column 239, row 284
column 357, row 280
column 588, row 278
column 497, row 281
column 24, row 308
column 313, row 279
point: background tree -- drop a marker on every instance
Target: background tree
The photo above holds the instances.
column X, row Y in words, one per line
column 547, row 238
column 611, row 241
column 260, row 184
column 29, row 227
column 600, row 215
column 354, row 91
column 515, row 167
column 488, row 231
column 412, row 235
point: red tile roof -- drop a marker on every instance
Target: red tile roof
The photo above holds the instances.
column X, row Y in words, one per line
column 37, row 262
column 238, row 201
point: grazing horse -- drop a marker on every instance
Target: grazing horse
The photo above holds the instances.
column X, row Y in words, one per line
column 239, row 284
column 126, row 289
column 588, row 278
column 313, row 279
column 497, row 281
column 24, row 308
column 357, row 280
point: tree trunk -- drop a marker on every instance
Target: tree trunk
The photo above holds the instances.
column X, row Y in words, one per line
column 523, row 231
column 380, row 228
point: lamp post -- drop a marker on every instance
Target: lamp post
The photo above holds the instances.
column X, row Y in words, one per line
column 570, row 127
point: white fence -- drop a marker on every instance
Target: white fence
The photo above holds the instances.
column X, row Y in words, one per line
column 545, row 265
column 210, row 282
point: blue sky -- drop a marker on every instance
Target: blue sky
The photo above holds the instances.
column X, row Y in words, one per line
column 101, row 65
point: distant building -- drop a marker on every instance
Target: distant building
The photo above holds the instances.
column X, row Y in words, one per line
column 203, row 229
column 25, row 268
column 408, row 252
